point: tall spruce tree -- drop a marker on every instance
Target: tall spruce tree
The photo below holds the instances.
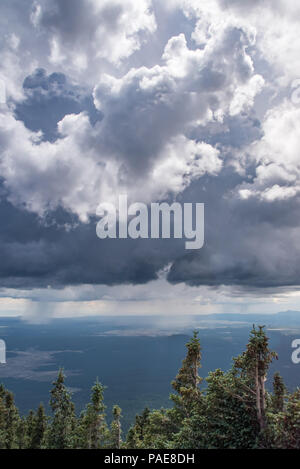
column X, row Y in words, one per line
column 30, row 419
column 12, row 420
column 253, row 365
column 39, row 428
column 115, row 430
column 94, row 432
column 186, row 383
column 163, row 428
column 62, row 429
column 279, row 391
column 22, row 434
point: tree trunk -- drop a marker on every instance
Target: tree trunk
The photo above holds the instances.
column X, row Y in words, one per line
column 260, row 398
column 263, row 403
column 118, row 435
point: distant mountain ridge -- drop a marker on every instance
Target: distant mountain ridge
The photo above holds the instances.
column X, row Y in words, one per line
column 287, row 318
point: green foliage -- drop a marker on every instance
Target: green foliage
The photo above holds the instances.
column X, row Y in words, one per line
column 93, row 431
column 186, row 383
column 39, row 429
column 253, row 366
column 287, row 424
column 279, row 391
column 11, row 422
column 115, row 430
column 232, row 411
column 62, row 428
column 136, row 434
column 230, row 417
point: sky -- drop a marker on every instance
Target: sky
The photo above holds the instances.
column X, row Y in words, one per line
column 162, row 100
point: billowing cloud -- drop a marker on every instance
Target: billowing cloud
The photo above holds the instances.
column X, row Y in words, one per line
column 111, row 97
column 80, row 32
column 78, row 37
column 148, row 116
column 276, row 156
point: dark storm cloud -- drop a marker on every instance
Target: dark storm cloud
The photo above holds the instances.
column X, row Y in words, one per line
column 48, row 98
column 35, row 253
column 196, row 86
column 248, row 243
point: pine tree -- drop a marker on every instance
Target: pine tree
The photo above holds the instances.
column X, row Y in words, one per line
column 229, row 419
column 30, row 426
column 186, row 383
column 94, row 433
column 141, row 422
column 137, row 432
column 254, row 364
column 159, row 430
column 11, row 421
column 229, row 415
column 39, row 428
column 22, row 434
column 164, row 427
column 116, row 428
column 62, row 429
column 279, row 391
column 287, row 429
column 132, row 439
